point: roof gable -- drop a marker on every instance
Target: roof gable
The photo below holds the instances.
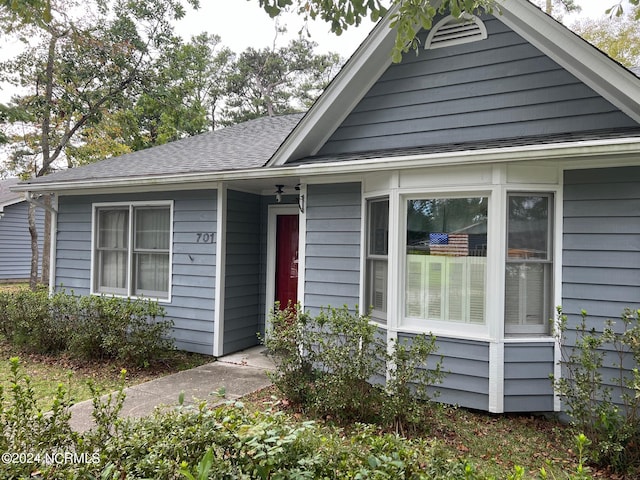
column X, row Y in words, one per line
column 499, row 88
column 606, row 89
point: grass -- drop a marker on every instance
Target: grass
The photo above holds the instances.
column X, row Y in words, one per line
column 47, row 371
column 493, row 443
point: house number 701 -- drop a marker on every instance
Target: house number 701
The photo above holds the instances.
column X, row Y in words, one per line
column 205, row 237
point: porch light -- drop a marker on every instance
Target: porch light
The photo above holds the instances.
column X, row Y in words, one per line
column 279, row 193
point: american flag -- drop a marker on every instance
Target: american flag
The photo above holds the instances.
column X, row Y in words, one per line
column 449, row 244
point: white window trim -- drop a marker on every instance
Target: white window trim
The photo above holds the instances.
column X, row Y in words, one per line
column 378, row 317
column 94, row 237
column 443, row 328
column 555, row 290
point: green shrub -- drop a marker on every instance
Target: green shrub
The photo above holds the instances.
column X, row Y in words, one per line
column 88, row 327
column 228, row 442
column 612, row 427
column 335, row 364
column 409, row 380
column 130, row 330
column 27, row 429
column 35, row 328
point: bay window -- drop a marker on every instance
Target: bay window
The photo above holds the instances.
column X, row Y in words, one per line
column 446, row 260
column 529, row 264
column 377, row 257
column 132, row 250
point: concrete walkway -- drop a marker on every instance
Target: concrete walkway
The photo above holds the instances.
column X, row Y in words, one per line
column 238, row 374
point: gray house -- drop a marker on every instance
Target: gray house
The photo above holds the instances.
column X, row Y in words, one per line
column 465, row 191
column 15, row 240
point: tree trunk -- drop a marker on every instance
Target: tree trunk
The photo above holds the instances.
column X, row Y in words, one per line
column 549, row 7
column 46, row 242
column 33, row 230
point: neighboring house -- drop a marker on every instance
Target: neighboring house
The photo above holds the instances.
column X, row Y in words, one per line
column 466, row 191
column 15, row 240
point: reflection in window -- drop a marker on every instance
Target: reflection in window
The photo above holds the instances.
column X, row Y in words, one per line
column 529, row 263
column 446, row 259
column 377, row 254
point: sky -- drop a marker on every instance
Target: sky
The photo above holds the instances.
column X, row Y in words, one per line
column 242, row 23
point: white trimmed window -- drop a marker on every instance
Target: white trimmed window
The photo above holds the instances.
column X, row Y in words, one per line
column 132, row 249
column 446, row 260
column 529, row 265
column 377, row 257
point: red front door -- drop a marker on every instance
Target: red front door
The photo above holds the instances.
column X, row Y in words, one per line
column 286, row 260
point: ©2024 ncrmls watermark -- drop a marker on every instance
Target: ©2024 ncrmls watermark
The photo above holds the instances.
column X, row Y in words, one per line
column 61, row 457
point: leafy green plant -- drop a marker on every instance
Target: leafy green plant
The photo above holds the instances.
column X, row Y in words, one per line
column 29, row 430
column 335, row 364
column 88, row 327
column 611, row 423
column 409, row 382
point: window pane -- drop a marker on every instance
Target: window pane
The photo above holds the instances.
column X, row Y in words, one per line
column 112, row 270
column 528, row 235
column 378, row 227
column 113, row 232
column 526, row 295
column 446, row 259
column 152, row 228
column 152, row 273
column 377, row 285
column 111, row 255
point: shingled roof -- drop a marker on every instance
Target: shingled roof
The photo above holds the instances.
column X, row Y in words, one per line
column 7, row 197
column 246, row 145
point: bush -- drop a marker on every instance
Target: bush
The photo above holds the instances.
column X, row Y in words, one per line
column 335, row 364
column 228, row 442
column 612, row 427
column 88, row 327
column 125, row 329
column 27, row 429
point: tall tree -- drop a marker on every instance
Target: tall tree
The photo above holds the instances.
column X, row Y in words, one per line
column 557, row 7
column 79, row 61
column 619, row 37
column 274, row 81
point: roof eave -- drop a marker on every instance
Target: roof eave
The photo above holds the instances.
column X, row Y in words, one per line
column 623, row 147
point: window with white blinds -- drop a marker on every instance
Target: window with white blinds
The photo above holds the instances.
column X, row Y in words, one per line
column 529, row 265
column 377, row 257
column 132, row 250
column 446, row 260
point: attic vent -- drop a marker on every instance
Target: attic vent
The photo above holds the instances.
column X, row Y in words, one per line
column 456, row 31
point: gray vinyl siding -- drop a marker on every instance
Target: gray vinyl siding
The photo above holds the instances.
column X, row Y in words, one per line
column 15, row 241
column 466, row 365
column 242, row 311
column 601, row 248
column 527, row 387
column 332, row 273
column 193, row 263
column 601, row 242
column 498, row 88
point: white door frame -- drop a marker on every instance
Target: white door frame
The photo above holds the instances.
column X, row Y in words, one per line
column 270, row 291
